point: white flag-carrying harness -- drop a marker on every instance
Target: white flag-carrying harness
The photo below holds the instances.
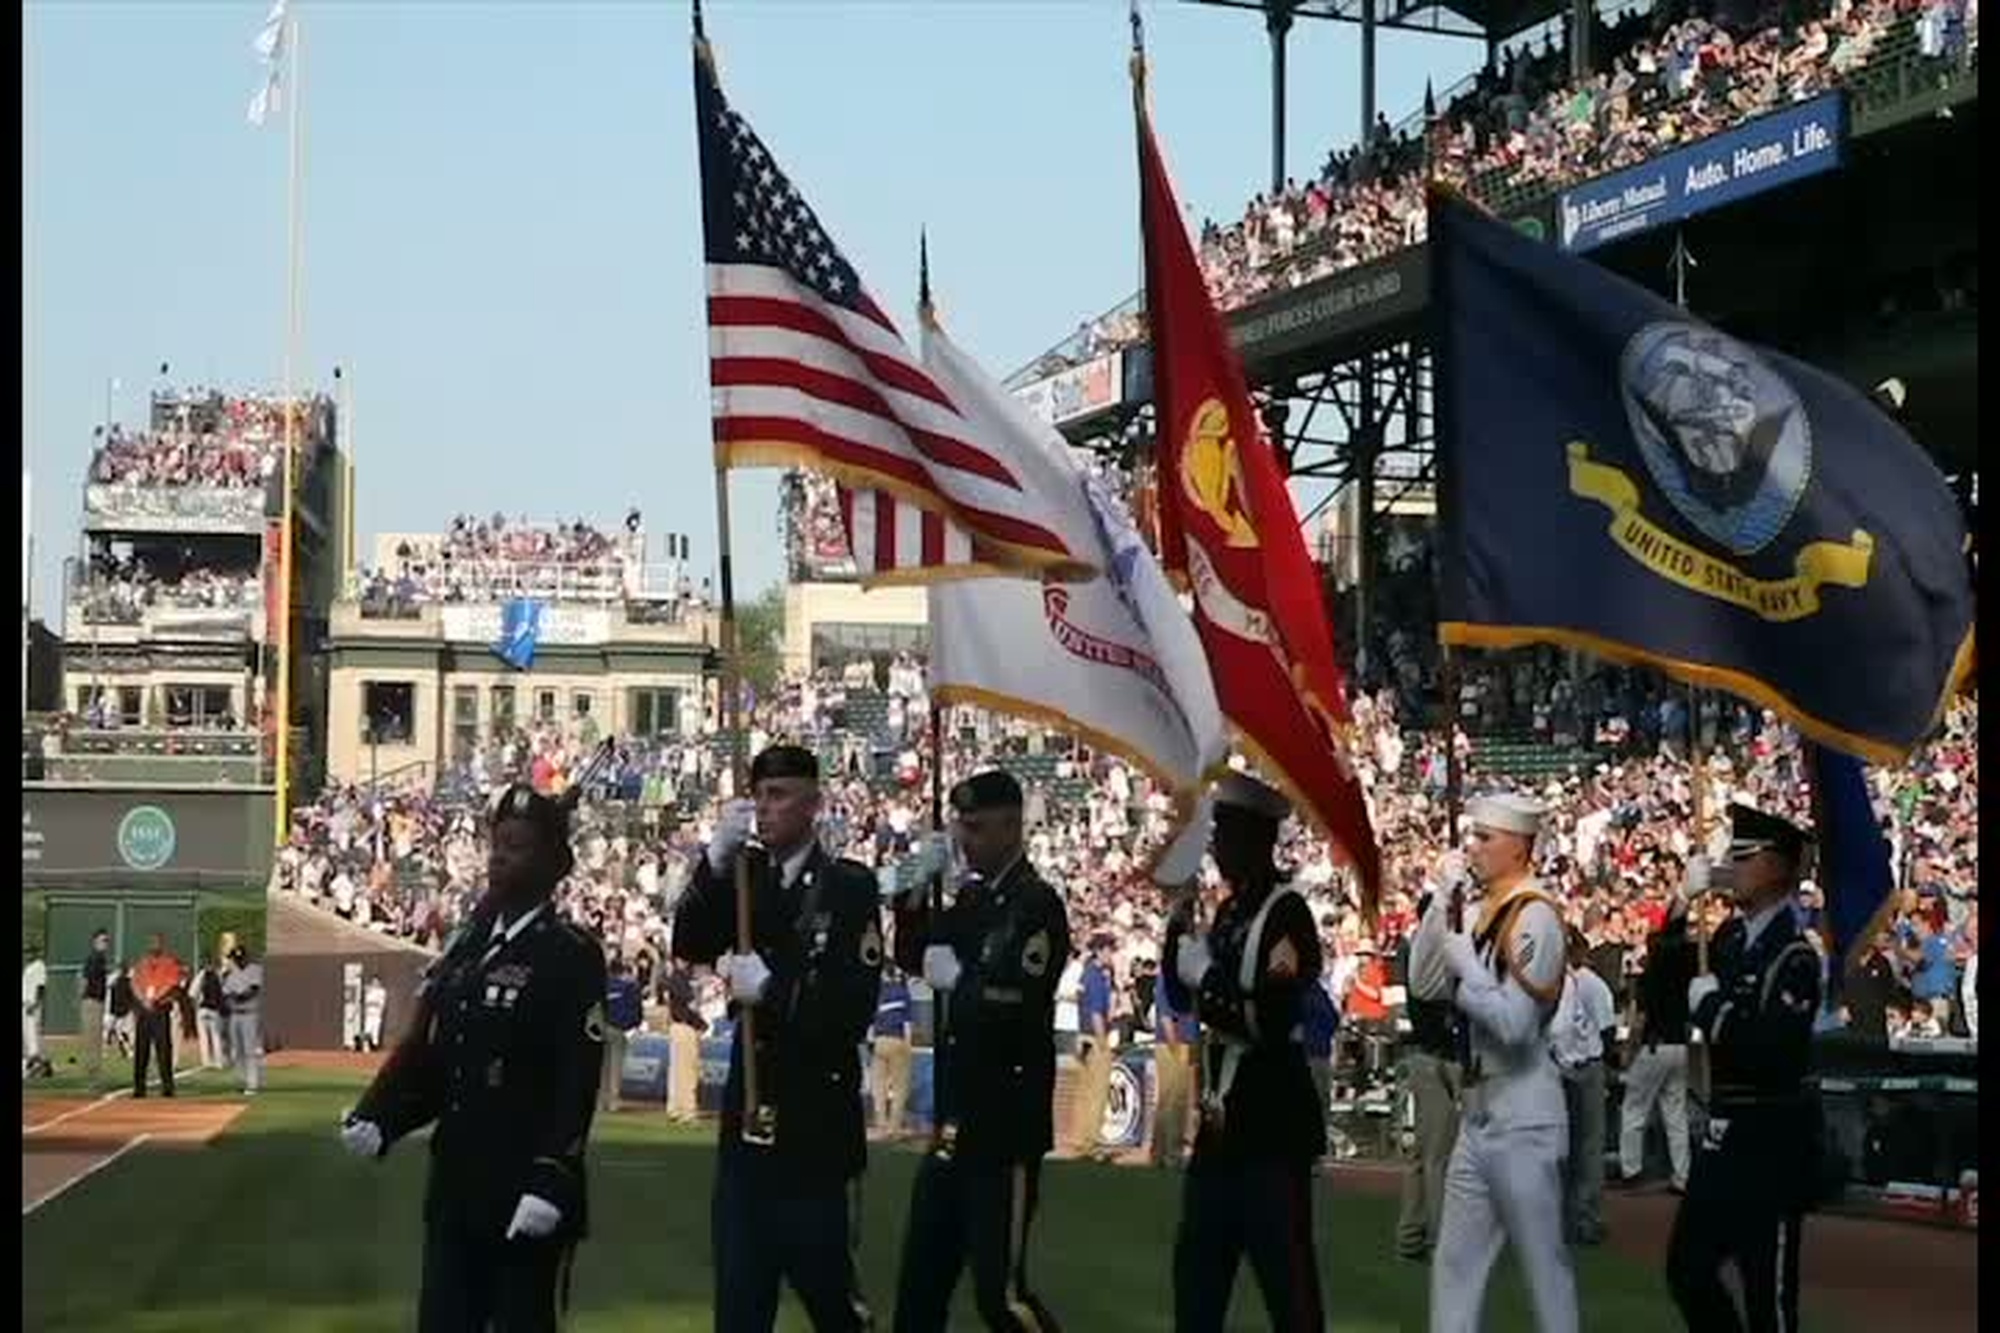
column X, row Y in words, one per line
column 1115, row 661
column 269, row 45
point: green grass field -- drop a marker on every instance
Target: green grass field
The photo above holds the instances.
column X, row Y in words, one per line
column 273, row 1227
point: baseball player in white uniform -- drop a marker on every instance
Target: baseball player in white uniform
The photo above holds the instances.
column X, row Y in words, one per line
column 1504, row 972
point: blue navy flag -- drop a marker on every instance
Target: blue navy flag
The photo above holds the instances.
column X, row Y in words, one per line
column 1620, row 478
column 520, row 633
column 1854, row 875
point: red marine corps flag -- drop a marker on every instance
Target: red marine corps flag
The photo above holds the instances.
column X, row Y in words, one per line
column 1229, row 532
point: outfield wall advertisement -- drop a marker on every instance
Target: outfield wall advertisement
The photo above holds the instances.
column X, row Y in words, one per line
column 139, row 838
column 1771, row 151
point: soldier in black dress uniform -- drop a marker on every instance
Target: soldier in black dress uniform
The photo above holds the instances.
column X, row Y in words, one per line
column 1249, row 1184
column 786, row 1190
column 504, row 1055
column 1755, row 1167
column 993, row 957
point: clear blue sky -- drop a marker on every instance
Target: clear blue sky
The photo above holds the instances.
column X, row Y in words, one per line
column 501, row 229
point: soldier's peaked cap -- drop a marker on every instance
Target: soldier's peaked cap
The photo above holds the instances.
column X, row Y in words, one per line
column 1507, row 812
column 1240, row 791
column 520, row 801
column 784, row 761
column 1751, row 830
column 994, row 789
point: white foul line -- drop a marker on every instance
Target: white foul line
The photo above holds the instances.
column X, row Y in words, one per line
column 75, row 1111
column 84, row 1174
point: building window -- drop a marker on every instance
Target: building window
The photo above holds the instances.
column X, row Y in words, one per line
column 501, row 703
column 464, row 720
column 579, row 703
column 388, row 712
column 131, row 705
column 545, row 705
column 656, row 712
column 198, row 706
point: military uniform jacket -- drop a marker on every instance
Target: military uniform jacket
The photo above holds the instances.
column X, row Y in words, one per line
column 995, row 1072
column 1758, row 1027
column 504, row 1055
column 1252, row 1010
column 822, row 940
column 1507, row 992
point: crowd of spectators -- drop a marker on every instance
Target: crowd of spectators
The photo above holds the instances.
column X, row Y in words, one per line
column 204, row 438
column 1619, row 833
column 120, row 592
column 1661, row 77
column 496, row 559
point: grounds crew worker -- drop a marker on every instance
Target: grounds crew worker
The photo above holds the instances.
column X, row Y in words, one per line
column 993, row 956
column 1755, row 1169
column 1248, row 1190
column 503, row 1054
column 785, row 1193
column 1504, row 975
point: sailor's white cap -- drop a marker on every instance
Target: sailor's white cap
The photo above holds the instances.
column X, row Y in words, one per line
column 1507, row 812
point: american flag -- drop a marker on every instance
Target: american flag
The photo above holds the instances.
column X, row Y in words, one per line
column 807, row 371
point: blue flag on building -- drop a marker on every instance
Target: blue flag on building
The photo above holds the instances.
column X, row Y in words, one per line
column 1854, row 874
column 1620, row 478
column 520, row 632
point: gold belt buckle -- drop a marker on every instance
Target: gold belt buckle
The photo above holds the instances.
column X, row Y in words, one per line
column 760, row 1127
column 946, row 1141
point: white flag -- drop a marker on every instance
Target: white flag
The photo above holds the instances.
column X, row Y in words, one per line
column 270, row 41
column 268, row 101
column 270, row 47
column 1115, row 661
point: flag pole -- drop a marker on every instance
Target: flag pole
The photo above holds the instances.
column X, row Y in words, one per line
column 346, row 419
column 759, row 1120
column 295, row 154
column 1698, row 1066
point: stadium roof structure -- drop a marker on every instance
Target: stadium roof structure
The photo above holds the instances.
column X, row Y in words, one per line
column 1490, row 19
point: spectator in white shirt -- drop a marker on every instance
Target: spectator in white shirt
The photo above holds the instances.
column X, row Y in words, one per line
column 1583, row 1031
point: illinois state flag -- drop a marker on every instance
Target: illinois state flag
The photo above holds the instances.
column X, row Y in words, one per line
column 1621, row 478
column 1230, row 533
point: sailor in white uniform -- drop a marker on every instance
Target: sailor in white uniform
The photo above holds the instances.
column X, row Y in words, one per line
column 1504, row 973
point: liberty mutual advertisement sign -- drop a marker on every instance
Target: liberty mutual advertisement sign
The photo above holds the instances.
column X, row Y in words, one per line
column 1768, row 152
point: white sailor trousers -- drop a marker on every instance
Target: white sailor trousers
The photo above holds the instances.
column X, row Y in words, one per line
column 1503, row 1184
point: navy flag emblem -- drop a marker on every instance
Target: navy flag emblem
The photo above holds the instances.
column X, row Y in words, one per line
column 1658, row 492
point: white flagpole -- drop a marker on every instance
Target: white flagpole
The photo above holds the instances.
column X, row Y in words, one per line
column 295, row 153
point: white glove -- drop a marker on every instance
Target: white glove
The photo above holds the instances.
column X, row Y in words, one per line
column 1700, row 989
column 941, row 967
column 533, row 1218
column 747, row 975
column 1192, row 959
column 732, row 830
column 363, row 1138
column 1461, row 955
column 1696, row 881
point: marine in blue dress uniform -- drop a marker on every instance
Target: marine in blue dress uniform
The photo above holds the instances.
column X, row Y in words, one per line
column 1248, row 1192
